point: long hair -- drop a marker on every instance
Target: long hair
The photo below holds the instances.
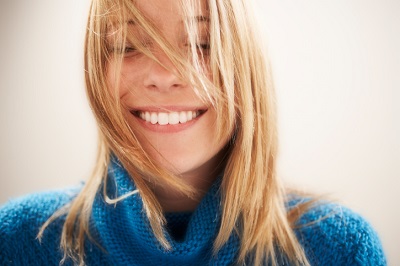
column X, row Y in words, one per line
column 241, row 91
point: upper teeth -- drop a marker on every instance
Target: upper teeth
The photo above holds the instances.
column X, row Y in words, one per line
column 172, row 118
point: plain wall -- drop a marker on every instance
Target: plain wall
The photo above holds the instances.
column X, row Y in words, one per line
column 337, row 74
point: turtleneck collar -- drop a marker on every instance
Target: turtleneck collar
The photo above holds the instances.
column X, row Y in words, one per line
column 124, row 231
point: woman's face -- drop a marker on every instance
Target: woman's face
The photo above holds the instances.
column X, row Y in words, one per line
column 173, row 125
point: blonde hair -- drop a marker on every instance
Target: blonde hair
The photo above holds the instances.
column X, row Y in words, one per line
column 241, row 91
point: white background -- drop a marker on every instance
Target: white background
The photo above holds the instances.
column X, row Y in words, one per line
column 337, row 73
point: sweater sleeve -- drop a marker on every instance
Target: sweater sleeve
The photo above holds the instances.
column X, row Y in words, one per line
column 20, row 221
column 334, row 235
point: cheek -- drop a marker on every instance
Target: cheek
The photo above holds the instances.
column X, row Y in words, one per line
column 112, row 80
column 120, row 83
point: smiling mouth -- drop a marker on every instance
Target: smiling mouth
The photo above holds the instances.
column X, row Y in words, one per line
column 168, row 118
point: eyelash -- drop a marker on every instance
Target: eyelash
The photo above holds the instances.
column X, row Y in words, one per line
column 203, row 46
column 121, row 50
column 130, row 49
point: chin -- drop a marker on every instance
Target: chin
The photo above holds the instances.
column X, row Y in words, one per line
column 177, row 166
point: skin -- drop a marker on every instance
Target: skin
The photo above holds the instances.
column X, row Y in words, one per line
column 190, row 151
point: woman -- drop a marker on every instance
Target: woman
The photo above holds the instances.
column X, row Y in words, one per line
column 185, row 172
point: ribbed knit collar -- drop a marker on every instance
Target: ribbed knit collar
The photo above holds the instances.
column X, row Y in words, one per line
column 124, row 230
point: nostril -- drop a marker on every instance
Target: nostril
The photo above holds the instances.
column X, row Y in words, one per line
column 160, row 77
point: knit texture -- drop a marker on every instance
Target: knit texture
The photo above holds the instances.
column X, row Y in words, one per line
column 338, row 236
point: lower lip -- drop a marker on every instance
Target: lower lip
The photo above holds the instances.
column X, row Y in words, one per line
column 168, row 128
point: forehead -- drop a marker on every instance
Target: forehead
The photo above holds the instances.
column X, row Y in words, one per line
column 169, row 12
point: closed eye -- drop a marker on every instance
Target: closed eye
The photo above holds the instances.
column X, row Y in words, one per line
column 129, row 49
column 125, row 51
column 203, row 46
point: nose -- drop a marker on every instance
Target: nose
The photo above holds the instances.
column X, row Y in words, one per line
column 162, row 77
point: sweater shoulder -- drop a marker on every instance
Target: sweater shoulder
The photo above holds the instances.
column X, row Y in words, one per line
column 34, row 208
column 21, row 220
column 332, row 232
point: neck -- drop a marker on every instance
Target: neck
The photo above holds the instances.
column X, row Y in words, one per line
column 172, row 200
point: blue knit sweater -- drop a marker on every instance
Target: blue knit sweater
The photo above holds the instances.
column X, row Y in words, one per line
column 341, row 238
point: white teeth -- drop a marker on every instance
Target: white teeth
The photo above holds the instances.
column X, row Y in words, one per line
column 172, row 118
column 163, row 118
column 147, row 116
column 183, row 117
column 153, row 118
column 189, row 115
